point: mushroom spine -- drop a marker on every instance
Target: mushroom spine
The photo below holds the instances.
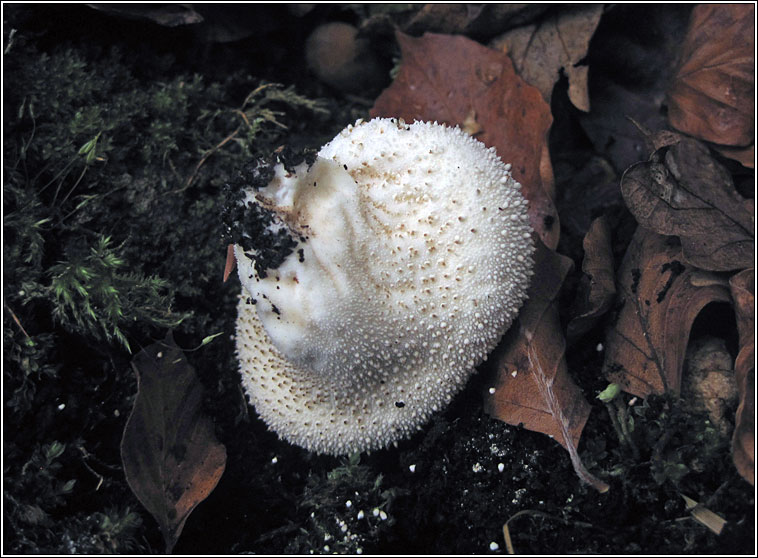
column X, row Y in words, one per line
column 376, row 277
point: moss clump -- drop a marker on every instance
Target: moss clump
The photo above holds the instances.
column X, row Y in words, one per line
column 112, row 185
column 348, row 510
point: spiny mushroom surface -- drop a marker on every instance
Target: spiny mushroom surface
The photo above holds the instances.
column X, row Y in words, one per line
column 375, row 280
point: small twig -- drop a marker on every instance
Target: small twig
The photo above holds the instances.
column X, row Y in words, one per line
column 204, row 158
column 60, row 177
column 78, row 180
column 243, row 116
column 25, row 144
column 546, row 390
column 85, row 456
column 241, row 113
column 18, row 322
column 255, row 91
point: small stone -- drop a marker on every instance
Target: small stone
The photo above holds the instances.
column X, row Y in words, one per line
column 360, row 515
column 599, row 347
column 500, row 467
column 514, row 373
column 341, row 58
column 477, row 468
column 412, row 468
column 348, row 504
column 275, row 460
column 382, row 515
column 494, row 546
column 492, row 391
column 376, row 512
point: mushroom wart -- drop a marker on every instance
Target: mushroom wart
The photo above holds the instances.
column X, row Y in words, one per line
column 375, row 279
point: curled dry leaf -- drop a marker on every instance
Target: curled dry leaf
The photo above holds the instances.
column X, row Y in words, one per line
column 171, row 457
column 455, row 80
column 743, row 438
column 597, row 288
column 533, row 386
column 559, row 42
column 712, row 94
column 681, row 190
column 661, row 298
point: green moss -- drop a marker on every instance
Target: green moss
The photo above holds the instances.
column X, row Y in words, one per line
column 348, row 510
column 112, row 234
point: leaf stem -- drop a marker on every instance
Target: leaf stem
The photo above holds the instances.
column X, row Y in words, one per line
column 546, row 389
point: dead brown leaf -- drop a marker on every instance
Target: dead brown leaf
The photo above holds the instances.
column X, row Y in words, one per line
column 453, row 79
column 597, row 288
column 171, row 457
column 533, row 386
column 743, row 155
column 704, row 516
column 743, row 294
column 661, row 298
column 681, row 190
column 445, row 18
column 743, row 438
column 712, row 95
column 540, row 50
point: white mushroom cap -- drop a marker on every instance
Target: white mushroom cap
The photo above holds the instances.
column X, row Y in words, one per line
column 413, row 256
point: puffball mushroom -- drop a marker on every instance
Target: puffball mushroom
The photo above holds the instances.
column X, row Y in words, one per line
column 376, row 277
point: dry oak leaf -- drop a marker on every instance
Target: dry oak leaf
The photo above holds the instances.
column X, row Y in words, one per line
column 661, row 298
column 597, row 288
column 533, row 387
column 454, row 80
column 560, row 41
column 681, row 190
column 743, row 437
column 170, row 454
column 712, row 94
